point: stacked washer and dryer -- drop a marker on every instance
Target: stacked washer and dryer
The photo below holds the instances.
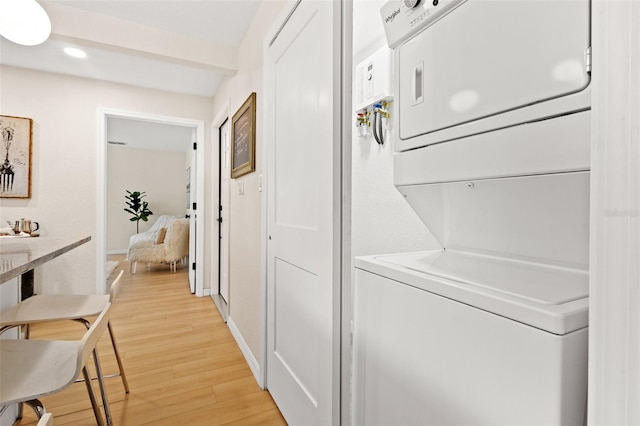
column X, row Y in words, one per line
column 492, row 151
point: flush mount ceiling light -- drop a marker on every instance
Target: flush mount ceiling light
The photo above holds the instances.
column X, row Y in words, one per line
column 76, row 53
column 24, row 22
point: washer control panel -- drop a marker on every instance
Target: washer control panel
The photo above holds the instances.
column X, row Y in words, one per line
column 404, row 18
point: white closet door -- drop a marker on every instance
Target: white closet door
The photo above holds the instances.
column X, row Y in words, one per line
column 303, row 223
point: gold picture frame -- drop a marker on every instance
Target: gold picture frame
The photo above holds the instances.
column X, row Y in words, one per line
column 243, row 138
column 15, row 163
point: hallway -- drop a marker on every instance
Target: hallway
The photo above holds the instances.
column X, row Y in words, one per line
column 181, row 361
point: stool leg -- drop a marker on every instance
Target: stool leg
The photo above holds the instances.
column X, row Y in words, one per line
column 120, row 367
column 87, row 324
column 103, row 390
column 37, row 406
column 92, row 397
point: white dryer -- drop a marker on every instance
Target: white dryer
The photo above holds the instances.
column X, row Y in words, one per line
column 492, row 152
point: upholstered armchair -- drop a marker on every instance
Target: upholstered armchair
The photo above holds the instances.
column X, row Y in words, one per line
column 168, row 247
column 151, row 234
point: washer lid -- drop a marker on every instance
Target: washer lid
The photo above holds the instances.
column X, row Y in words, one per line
column 545, row 296
column 534, row 282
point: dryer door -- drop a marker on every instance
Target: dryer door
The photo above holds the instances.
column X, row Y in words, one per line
column 491, row 56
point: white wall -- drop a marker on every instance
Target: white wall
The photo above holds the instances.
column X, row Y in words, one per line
column 64, row 112
column 161, row 174
column 245, row 229
column 382, row 221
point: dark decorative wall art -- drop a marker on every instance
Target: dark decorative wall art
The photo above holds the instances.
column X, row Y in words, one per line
column 243, row 137
column 15, row 160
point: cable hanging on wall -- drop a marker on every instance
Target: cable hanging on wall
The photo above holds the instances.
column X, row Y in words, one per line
column 372, row 118
column 379, row 111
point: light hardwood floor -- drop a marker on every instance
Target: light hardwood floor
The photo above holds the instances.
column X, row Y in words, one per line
column 181, row 361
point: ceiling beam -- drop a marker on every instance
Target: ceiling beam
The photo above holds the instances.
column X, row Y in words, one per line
column 117, row 35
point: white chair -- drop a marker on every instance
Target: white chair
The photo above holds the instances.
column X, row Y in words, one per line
column 32, row 369
column 55, row 307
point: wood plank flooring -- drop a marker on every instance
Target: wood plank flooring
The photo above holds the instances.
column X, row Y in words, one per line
column 181, row 361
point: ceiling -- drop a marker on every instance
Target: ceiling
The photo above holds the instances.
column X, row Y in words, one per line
column 142, row 134
column 183, row 46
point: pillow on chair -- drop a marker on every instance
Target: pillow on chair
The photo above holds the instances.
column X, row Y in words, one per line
column 162, row 232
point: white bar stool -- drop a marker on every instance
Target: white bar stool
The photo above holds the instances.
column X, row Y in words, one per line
column 55, row 307
column 32, row 369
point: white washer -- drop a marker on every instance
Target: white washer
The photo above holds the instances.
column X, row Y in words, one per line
column 476, row 337
column 492, row 152
column 426, row 353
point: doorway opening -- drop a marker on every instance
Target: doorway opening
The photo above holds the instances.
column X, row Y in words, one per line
column 196, row 194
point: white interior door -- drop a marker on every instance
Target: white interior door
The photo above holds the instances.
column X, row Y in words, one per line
column 303, row 214
column 223, row 215
column 192, row 212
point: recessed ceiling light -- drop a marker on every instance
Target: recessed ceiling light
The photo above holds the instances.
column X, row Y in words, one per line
column 76, row 53
column 24, row 22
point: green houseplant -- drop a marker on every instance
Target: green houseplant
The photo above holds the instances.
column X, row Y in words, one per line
column 137, row 208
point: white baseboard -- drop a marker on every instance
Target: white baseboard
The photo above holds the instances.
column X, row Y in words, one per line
column 248, row 355
column 207, row 292
column 122, row 251
column 221, row 305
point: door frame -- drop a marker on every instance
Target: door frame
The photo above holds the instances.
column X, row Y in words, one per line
column 220, row 159
column 221, row 117
column 614, row 334
column 220, row 301
column 101, row 187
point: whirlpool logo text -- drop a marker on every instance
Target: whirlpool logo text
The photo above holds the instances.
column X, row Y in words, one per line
column 391, row 17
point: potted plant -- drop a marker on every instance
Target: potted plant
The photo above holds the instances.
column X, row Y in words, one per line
column 137, row 208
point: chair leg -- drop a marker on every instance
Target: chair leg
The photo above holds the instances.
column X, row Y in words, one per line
column 92, row 397
column 87, row 324
column 6, row 327
column 103, row 390
column 120, row 367
column 37, row 406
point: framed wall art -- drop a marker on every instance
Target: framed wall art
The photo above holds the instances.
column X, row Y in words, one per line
column 15, row 151
column 243, row 138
